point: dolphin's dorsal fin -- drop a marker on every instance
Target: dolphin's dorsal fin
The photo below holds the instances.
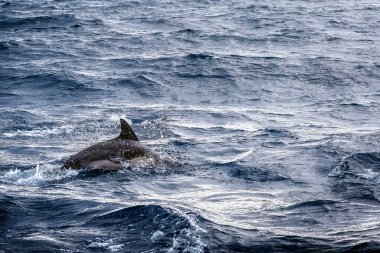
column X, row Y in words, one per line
column 126, row 132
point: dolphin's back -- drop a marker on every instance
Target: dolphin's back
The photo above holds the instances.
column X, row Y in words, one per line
column 126, row 146
column 108, row 150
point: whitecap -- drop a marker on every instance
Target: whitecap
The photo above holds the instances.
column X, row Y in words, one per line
column 225, row 160
column 41, row 132
column 39, row 175
column 157, row 235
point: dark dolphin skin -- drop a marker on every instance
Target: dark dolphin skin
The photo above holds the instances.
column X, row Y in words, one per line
column 104, row 154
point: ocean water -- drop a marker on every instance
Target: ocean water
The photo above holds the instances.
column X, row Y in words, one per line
column 270, row 109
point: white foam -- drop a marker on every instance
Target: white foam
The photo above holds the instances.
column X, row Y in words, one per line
column 189, row 239
column 158, row 235
column 98, row 245
column 368, row 174
column 116, row 117
column 229, row 126
column 236, row 158
column 106, row 245
column 41, row 132
column 41, row 174
column 114, row 248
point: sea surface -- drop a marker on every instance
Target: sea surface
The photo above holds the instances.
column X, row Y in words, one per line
column 270, row 111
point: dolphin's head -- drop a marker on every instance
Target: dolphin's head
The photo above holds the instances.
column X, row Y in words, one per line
column 71, row 164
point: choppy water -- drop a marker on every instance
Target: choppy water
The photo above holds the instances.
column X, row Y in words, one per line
column 272, row 107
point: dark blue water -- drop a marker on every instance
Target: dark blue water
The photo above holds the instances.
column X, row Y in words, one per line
column 271, row 108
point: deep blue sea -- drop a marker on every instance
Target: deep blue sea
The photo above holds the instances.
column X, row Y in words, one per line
column 270, row 111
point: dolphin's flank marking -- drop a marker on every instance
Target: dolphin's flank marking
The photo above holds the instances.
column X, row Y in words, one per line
column 102, row 155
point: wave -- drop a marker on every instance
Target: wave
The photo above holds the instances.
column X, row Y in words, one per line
column 276, row 133
column 39, row 22
column 188, row 31
column 368, row 247
column 256, row 174
column 10, row 44
column 355, row 105
column 358, row 176
column 9, row 210
column 40, row 132
column 139, row 82
column 229, row 156
column 149, row 227
column 141, row 85
column 358, row 165
column 6, row 5
column 199, row 75
column 198, row 56
column 41, row 174
column 18, row 120
column 7, row 95
column 320, row 203
column 222, row 238
column 141, row 228
column 46, row 84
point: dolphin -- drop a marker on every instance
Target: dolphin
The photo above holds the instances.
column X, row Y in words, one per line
column 107, row 154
